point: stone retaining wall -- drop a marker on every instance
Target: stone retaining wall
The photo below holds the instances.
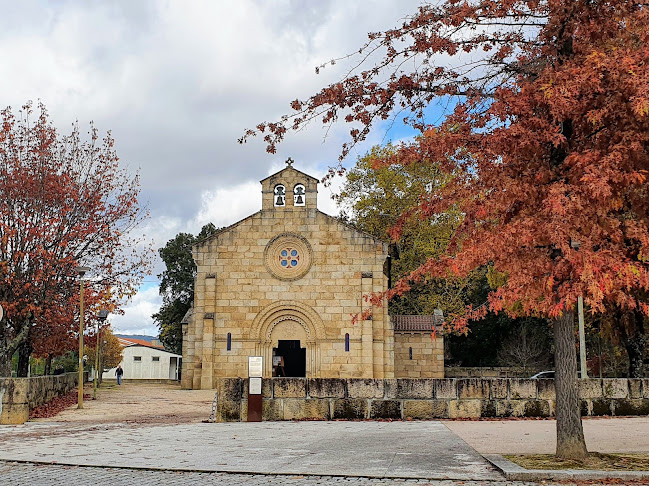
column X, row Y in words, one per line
column 19, row 395
column 327, row 399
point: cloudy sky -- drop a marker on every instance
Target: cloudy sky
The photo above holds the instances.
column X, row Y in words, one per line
column 177, row 82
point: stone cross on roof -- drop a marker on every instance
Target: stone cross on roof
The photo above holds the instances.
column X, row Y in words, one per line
column 289, row 162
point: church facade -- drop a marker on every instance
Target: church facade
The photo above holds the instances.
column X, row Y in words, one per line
column 284, row 284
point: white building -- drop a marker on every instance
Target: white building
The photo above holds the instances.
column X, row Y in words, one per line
column 143, row 361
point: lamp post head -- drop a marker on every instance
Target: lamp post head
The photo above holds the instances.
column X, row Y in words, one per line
column 102, row 315
column 81, row 270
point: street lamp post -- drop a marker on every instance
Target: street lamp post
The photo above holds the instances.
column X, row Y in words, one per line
column 582, row 339
column 582, row 334
column 101, row 318
column 81, row 271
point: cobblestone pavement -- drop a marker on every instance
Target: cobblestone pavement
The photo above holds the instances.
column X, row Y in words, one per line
column 51, row 475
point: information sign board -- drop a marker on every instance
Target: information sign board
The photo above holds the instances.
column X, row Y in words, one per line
column 255, row 366
column 254, row 386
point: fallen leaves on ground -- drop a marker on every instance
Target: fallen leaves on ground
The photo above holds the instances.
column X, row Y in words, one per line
column 56, row 405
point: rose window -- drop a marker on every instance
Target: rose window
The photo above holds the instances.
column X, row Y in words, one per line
column 289, row 257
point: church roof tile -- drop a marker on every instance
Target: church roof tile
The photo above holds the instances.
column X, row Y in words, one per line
column 417, row 323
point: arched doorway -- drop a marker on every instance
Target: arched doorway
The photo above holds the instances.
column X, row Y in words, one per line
column 289, row 359
column 289, row 339
column 293, row 331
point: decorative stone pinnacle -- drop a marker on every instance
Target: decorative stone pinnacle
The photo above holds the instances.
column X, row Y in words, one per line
column 289, row 162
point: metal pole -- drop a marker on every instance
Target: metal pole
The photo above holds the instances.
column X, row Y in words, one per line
column 80, row 396
column 600, row 354
column 101, row 361
column 582, row 337
column 94, row 390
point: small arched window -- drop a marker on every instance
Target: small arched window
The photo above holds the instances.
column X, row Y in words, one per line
column 229, row 341
column 410, row 353
column 347, row 342
column 279, row 195
column 299, row 195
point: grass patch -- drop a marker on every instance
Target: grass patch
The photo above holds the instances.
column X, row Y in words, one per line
column 594, row 461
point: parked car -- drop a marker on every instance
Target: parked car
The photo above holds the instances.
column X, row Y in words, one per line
column 550, row 374
column 543, row 374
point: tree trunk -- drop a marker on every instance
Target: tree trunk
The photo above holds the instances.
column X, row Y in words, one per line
column 635, row 346
column 9, row 345
column 48, row 365
column 5, row 357
column 570, row 432
column 24, row 352
column 634, row 341
column 5, row 365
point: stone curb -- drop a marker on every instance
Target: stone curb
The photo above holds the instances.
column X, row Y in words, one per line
column 514, row 472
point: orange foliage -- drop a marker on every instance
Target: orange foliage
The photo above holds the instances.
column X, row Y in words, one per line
column 64, row 203
column 547, row 139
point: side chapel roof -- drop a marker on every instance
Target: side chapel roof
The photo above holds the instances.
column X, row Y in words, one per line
column 417, row 323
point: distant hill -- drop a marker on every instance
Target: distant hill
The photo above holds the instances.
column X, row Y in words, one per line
column 144, row 337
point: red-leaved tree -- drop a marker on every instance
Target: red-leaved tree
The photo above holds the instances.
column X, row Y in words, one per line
column 547, row 139
column 64, row 202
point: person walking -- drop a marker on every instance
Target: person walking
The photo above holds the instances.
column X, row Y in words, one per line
column 119, row 372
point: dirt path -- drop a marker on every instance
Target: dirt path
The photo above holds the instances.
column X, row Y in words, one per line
column 138, row 403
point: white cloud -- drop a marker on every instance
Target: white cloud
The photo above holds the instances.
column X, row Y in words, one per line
column 177, row 82
column 226, row 206
column 137, row 318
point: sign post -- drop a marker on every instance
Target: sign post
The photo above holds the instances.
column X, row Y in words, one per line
column 255, row 372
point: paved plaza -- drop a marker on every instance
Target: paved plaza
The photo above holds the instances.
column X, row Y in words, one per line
column 139, row 435
column 371, row 449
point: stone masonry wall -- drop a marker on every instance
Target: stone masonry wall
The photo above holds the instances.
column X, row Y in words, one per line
column 239, row 293
column 19, row 395
column 356, row 399
column 427, row 355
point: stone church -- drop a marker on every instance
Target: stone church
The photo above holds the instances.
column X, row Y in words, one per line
column 284, row 284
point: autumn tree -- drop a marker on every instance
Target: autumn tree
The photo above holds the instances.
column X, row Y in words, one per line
column 373, row 199
column 65, row 203
column 547, row 136
column 110, row 350
column 55, row 338
column 177, row 286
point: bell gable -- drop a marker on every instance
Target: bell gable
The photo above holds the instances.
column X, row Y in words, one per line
column 289, row 188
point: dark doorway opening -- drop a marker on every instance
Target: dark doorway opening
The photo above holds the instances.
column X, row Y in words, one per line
column 294, row 359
